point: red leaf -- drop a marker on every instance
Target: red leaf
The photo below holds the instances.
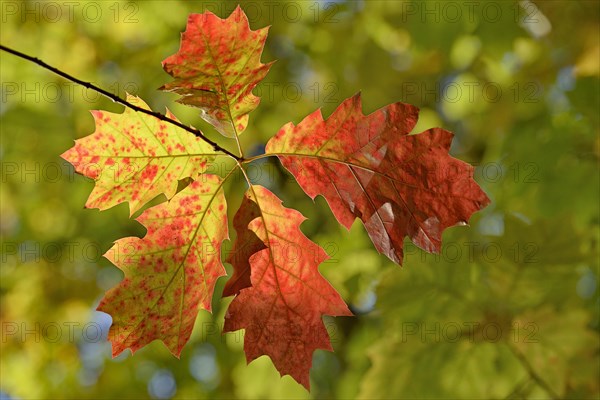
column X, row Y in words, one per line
column 216, row 68
column 171, row 271
column 282, row 310
column 371, row 168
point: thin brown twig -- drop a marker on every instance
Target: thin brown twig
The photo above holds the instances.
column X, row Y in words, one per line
column 532, row 374
column 117, row 99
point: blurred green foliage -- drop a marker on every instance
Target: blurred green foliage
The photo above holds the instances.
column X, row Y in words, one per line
column 508, row 309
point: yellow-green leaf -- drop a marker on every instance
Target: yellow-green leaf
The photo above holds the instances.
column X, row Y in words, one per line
column 134, row 157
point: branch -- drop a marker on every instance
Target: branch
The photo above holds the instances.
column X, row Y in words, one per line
column 117, row 99
column 532, row 374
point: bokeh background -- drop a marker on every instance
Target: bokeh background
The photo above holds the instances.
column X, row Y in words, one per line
column 509, row 309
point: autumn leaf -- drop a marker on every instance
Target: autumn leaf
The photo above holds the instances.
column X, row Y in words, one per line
column 216, row 68
column 171, row 272
column 134, row 157
column 282, row 309
column 369, row 167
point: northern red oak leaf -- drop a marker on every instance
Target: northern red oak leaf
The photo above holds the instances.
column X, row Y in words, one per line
column 171, row 271
column 369, row 167
column 134, row 157
column 216, row 68
column 282, row 309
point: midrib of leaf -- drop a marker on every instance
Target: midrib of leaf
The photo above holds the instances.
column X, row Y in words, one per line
column 156, row 157
column 267, row 233
column 349, row 164
column 224, row 89
column 272, row 261
column 329, row 159
column 375, row 209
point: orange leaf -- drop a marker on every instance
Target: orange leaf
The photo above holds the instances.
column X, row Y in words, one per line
column 282, row 310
